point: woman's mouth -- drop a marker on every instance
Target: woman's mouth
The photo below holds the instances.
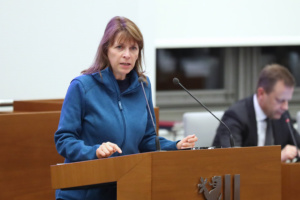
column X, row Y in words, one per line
column 126, row 64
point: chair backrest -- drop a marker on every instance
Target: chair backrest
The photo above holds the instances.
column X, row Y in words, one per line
column 203, row 125
column 298, row 121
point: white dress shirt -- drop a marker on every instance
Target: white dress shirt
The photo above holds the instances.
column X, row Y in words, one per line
column 260, row 122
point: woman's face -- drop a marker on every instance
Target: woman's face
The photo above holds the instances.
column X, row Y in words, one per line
column 122, row 56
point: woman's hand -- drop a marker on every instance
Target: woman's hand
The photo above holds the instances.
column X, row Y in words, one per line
column 106, row 149
column 187, row 142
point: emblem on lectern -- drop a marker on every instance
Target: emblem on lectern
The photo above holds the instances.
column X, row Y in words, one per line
column 215, row 192
column 216, row 185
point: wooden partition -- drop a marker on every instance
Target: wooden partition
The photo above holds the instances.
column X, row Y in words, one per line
column 26, row 151
column 290, row 173
column 176, row 174
column 54, row 105
column 37, row 105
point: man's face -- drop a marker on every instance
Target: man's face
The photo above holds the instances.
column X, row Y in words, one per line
column 275, row 103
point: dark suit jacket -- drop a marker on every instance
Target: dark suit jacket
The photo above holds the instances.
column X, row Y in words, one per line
column 240, row 118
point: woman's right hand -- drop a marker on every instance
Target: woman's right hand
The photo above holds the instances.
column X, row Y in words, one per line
column 106, row 149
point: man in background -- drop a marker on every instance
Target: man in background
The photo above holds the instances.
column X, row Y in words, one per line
column 263, row 118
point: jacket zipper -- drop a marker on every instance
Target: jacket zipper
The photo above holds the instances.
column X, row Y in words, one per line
column 120, row 105
column 123, row 118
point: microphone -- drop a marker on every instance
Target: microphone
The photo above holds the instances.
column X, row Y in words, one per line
column 176, row 82
column 287, row 120
column 157, row 143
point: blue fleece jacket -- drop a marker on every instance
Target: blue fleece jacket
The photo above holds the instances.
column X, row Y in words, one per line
column 94, row 111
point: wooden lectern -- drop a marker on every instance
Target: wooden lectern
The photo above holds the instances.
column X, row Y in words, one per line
column 176, row 174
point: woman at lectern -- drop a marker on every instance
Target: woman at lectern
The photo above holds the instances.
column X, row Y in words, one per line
column 105, row 112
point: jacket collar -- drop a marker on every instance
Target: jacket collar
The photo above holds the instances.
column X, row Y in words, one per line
column 108, row 79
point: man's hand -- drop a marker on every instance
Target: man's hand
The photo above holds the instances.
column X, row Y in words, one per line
column 289, row 152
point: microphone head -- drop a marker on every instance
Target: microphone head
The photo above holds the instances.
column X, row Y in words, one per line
column 141, row 79
column 176, row 81
column 287, row 117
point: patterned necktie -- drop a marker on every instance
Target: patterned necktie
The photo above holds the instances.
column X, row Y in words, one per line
column 269, row 133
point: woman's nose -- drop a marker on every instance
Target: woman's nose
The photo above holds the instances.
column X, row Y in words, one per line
column 126, row 53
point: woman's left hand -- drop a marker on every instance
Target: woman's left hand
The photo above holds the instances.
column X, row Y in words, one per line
column 187, row 142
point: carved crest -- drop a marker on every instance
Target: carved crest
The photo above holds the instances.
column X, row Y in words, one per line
column 215, row 192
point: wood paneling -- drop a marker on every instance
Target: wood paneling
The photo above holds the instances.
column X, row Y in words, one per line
column 27, row 150
column 54, row 105
column 38, row 105
column 290, row 173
